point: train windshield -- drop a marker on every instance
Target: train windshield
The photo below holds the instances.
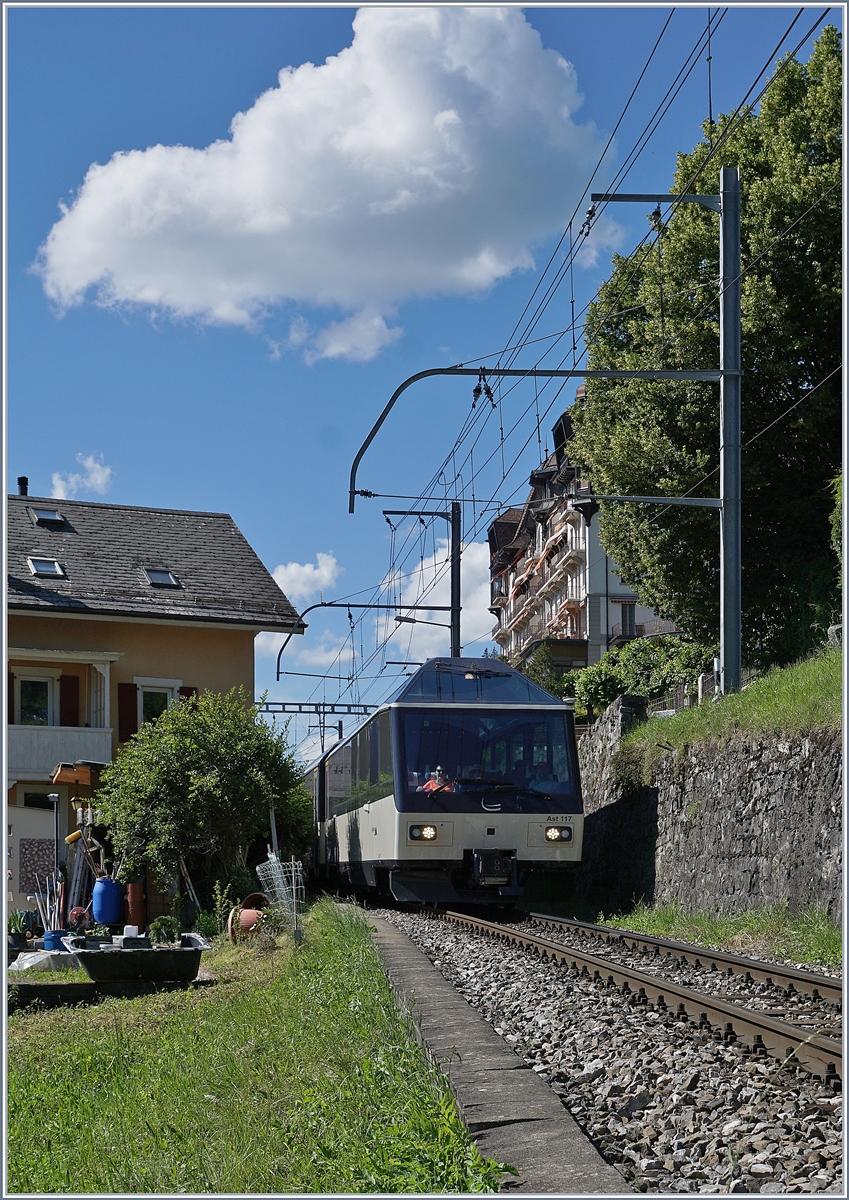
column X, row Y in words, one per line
column 523, row 756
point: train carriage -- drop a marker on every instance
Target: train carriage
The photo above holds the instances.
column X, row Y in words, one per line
column 458, row 788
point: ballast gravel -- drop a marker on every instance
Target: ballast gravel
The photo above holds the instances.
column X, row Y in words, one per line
column 798, row 1008
column 673, row 1109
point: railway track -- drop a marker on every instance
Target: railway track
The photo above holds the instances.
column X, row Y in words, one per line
column 819, row 987
column 723, row 1019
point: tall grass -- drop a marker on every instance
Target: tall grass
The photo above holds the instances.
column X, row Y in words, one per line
column 790, row 700
column 295, row 1073
column 809, row 936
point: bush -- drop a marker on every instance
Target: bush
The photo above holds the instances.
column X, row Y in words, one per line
column 197, row 785
column 164, row 929
column 206, row 924
column 646, row 667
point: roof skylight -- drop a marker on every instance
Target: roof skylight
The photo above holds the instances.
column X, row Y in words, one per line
column 158, row 577
column 47, row 516
column 47, row 568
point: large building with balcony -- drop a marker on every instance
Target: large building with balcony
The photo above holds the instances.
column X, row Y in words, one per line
column 114, row 613
column 552, row 582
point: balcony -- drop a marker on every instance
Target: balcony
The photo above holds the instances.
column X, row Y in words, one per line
column 36, row 750
column 628, row 631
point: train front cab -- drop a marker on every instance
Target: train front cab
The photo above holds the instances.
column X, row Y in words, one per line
column 506, row 803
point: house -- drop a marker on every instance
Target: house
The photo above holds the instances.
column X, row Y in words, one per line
column 114, row 612
column 552, row 583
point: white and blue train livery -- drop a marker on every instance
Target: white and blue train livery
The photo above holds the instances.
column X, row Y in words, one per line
column 459, row 787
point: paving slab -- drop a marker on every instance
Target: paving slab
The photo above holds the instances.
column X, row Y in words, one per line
column 513, row 1115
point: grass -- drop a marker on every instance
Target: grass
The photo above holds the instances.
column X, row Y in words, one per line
column 771, row 932
column 295, row 1073
column 75, row 976
column 788, row 701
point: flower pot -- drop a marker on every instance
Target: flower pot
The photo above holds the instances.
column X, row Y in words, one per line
column 241, row 929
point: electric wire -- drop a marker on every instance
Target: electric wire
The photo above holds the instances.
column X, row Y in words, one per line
column 469, row 421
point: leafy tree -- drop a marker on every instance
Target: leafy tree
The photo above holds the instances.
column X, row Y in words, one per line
column 541, row 669
column 647, row 667
column 837, row 522
column 198, row 782
column 659, row 309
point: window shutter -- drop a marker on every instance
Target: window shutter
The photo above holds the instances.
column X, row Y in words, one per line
column 185, row 692
column 69, row 700
column 11, row 699
column 128, row 712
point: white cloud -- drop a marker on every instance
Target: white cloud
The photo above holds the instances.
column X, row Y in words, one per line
column 358, row 339
column 301, row 581
column 97, row 478
column 425, row 158
column 476, row 622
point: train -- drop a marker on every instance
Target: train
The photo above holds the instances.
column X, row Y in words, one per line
column 460, row 787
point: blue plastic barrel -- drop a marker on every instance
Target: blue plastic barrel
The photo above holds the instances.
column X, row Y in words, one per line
column 107, row 904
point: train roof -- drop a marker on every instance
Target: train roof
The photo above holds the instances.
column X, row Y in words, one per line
column 471, row 681
column 462, row 681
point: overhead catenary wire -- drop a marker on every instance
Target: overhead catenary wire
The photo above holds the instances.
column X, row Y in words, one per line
column 482, row 509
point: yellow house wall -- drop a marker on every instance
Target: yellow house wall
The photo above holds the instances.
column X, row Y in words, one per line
column 208, row 659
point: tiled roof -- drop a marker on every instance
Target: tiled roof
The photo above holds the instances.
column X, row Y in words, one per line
column 104, row 548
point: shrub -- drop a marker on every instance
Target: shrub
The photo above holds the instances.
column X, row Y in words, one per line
column 646, row 667
column 164, row 929
column 206, row 924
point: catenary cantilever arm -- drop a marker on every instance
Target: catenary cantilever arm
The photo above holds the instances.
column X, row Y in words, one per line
column 514, row 372
column 345, row 604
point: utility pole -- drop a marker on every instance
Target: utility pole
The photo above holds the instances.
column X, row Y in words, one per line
column 730, row 389
column 453, row 519
column 727, row 204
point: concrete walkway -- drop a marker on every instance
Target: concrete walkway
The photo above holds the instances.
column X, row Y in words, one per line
column 513, row 1115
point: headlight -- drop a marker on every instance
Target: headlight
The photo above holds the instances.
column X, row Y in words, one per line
column 425, row 833
column 558, row 833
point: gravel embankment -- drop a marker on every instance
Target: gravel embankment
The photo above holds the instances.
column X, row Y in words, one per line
column 675, row 1111
column 797, row 1008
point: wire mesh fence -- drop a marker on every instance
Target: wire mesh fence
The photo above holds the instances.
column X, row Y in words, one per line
column 283, row 883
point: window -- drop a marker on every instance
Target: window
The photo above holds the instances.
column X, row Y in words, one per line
column 38, row 800
column 35, row 702
column 154, row 703
column 36, row 695
column 47, row 516
column 154, row 696
column 158, row 577
column 46, row 567
column 629, row 628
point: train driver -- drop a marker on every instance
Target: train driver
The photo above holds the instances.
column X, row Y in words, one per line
column 437, row 780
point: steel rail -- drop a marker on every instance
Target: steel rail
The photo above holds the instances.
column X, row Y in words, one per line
column 823, row 1056
column 820, row 987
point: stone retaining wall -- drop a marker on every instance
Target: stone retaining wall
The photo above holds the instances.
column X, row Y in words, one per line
column 750, row 822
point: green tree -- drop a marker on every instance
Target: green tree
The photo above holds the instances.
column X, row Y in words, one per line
column 659, row 309
column 198, row 783
column 541, row 669
column 647, row 667
column 837, row 522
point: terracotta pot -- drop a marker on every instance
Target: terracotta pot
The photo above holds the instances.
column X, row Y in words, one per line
column 239, row 931
column 256, row 900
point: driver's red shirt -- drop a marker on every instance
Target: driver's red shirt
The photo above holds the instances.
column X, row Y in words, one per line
column 432, row 785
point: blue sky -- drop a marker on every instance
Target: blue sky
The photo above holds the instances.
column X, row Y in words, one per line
column 215, row 324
